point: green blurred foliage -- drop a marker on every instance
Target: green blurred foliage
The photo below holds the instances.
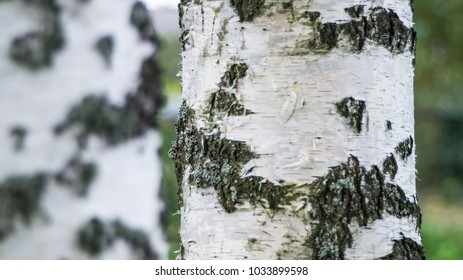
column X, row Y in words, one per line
column 439, row 124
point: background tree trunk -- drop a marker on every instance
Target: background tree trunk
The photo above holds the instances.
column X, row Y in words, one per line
column 295, row 137
column 80, row 173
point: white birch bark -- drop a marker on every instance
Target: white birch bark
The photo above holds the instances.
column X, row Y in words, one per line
column 98, row 192
column 328, row 94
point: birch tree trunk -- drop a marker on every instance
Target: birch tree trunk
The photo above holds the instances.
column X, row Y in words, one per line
column 80, row 90
column 295, row 137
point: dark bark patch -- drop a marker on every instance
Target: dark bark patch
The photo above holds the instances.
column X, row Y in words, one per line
column 97, row 116
column 353, row 111
column 35, row 49
column 351, row 193
column 140, row 18
column 388, row 125
column 136, row 239
column 105, row 47
column 117, row 124
column 18, row 133
column 225, row 101
column 77, row 175
column 248, row 9
column 19, row 200
column 311, row 16
column 405, row 148
column 390, row 166
column 382, row 26
column 355, row 11
column 406, row 249
column 96, row 236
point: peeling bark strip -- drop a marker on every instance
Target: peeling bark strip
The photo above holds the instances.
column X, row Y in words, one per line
column 261, row 156
column 383, row 26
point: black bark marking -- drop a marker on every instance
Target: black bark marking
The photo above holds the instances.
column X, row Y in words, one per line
column 118, row 124
column 136, row 239
column 405, row 148
column 382, row 26
column 225, row 101
column 390, row 166
column 77, row 175
column 355, row 11
column 19, row 200
column 248, row 9
column 388, row 125
column 406, row 249
column 96, row 236
column 18, row 133
column 140, row 18
column 351, row 193
column 353, row 111
column 311, row 16
column 105, row 47
column 114, row 124
column 36, row 49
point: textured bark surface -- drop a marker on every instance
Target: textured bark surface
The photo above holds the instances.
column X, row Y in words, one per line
column 295, row 137
column 80, row 91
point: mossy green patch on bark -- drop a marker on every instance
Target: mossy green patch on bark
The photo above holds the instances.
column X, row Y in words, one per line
column 406, row 249
column 96, row 236
column 405, row 148
column 98, row 117
column 380, row 25
column 19, row 200
column 353, row 111
column 224, row 100
column 77, row 175
column 105, row 47
column 248, row 9
column 351, row 193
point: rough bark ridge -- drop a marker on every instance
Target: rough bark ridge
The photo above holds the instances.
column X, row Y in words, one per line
column 224, row 134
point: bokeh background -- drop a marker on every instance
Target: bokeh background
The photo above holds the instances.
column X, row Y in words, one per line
column 438, row 113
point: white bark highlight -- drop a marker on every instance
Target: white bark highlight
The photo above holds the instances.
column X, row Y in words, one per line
column 129, row 175
column 294, row 145
column 377, row 240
